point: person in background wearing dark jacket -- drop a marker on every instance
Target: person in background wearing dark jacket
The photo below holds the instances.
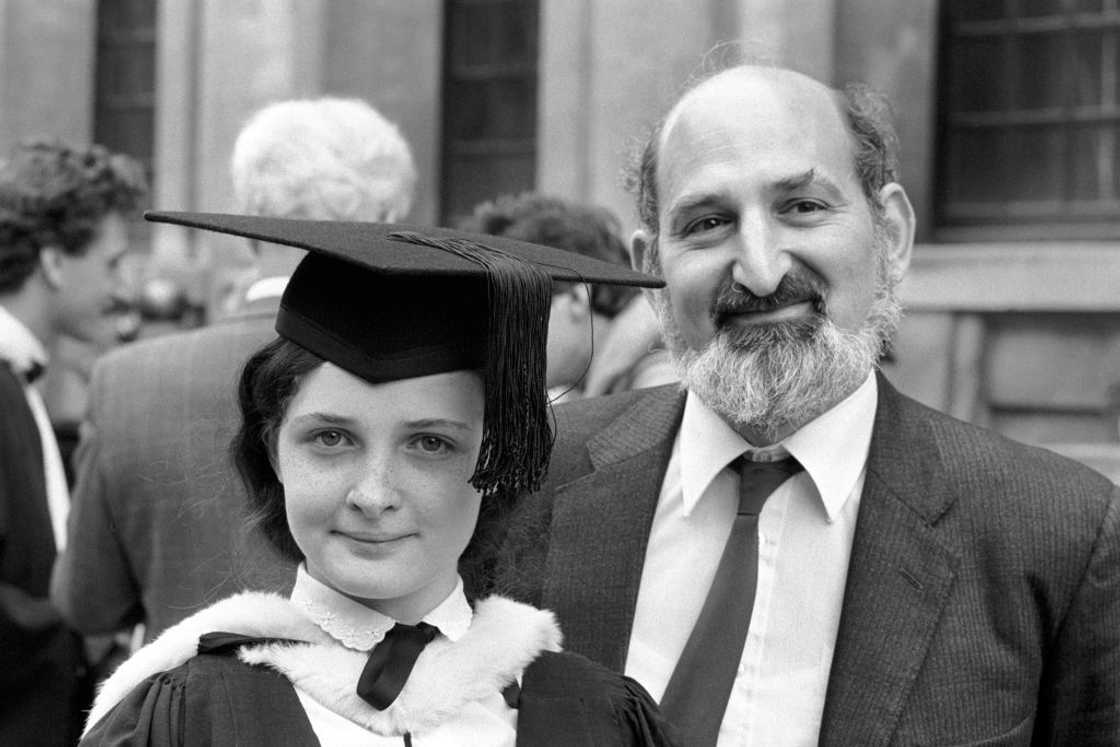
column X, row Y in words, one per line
column 63, row 212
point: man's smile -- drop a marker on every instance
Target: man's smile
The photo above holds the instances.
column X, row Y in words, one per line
column 799, row 310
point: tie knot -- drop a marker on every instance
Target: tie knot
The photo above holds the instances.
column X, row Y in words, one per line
column 34, row 372
column 391, row 661
column 757, row 480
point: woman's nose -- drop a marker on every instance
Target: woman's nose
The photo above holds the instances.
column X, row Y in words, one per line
column 374, row 492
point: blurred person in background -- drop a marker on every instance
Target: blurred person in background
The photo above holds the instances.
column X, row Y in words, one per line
column 63, row 212
column 320, row 159
column 155, row 527
column 579, row 308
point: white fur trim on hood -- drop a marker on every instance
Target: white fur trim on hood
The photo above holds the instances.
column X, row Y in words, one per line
column 504, row 638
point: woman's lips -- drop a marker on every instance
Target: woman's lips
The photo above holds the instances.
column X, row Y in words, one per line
column 374, row 539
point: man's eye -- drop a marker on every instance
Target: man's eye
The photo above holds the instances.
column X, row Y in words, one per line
column 710, row 223
column 804, row 207
column 330, row 438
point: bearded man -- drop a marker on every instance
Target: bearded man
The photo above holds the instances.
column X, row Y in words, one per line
column 785, row 550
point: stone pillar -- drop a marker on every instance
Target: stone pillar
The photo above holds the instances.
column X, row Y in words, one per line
column 218, row 62
column 390, row 53
column 896, row 52
column 46, row 69
column 800, row 35
column 608, row 70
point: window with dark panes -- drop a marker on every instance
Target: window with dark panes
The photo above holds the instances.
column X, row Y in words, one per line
column 124, row 98
column 489, row 101
column 1029, row 119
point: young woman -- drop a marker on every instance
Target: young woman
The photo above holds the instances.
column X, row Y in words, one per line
column 384, row 435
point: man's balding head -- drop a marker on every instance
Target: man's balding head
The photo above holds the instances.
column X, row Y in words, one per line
column 864, row 112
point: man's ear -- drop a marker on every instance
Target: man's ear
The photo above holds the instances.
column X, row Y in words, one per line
column 898, row 215
column 51, row 260
column 642, row 247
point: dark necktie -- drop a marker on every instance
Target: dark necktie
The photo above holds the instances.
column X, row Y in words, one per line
column 697, row 694
column 34, row 372
column 391, row 661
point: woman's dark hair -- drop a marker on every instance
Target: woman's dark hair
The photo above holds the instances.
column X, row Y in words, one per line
column 269, row 381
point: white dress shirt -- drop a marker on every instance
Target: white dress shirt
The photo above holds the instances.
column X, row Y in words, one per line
column 485, row 722
column 805, row 540
column 22, row 349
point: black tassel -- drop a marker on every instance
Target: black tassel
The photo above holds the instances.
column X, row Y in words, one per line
column 517, row 439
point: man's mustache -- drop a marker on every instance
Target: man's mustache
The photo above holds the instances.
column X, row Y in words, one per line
column 796, row 288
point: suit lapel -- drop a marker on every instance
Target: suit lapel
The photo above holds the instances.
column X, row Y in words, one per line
column 599, row 536
column 899, row 578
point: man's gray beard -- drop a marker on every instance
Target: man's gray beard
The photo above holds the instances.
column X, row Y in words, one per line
column 779, row 376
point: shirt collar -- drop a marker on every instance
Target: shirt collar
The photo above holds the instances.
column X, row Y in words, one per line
column 270, row 287
column 832, row 448
column 18, row 345
column 360, row 628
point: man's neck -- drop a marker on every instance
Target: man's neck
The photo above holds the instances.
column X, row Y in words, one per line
column 761, row 436
column 31, row 311
column 769, row 434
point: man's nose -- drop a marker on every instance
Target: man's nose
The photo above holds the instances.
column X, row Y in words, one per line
column 760, row 262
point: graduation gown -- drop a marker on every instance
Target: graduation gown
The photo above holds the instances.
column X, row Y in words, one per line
column 245, row 696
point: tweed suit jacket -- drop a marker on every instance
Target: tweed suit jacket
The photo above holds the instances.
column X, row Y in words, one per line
column 156, row 529
column 982, row 604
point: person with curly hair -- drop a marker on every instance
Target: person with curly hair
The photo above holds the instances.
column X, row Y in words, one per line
column 582, row 315
column 63, row 212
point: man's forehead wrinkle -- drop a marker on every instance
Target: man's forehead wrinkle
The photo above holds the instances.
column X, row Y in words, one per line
column 783, row 110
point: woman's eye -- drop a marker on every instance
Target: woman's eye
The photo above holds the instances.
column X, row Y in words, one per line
column 330, row 438
column 432, row 444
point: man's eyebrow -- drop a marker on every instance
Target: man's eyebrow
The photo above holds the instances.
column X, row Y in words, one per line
column 800, row 181
column 689, row 202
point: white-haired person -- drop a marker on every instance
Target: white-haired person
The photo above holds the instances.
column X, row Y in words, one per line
column 150, row 535
column 320, row 159
column 385, row 435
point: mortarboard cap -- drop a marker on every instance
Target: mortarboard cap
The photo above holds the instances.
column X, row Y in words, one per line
column 391, row 301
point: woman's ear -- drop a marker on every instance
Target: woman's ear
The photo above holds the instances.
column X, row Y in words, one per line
column 51, row 260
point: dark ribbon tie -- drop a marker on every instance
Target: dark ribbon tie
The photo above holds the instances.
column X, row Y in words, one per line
column 391, row 661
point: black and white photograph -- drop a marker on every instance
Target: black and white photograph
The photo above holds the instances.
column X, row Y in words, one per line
column 533, row 373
